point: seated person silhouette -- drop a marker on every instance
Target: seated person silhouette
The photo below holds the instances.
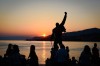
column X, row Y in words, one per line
column 33, row 56
column 57, row 32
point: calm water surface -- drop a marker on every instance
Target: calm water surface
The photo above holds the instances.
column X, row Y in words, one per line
column 43, row 48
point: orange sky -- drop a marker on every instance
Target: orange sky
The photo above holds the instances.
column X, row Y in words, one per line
column 36, row 17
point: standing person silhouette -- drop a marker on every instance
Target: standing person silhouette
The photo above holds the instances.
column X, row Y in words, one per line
column 57, row 32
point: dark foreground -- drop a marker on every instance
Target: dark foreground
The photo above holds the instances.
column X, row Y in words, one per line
column 41, row 64
column 59, row 57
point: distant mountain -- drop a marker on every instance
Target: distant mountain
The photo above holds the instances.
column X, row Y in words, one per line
column 13, row 37
column 92, row 34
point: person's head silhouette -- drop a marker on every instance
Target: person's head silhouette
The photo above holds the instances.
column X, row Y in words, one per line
column 87, row 48
column 62, row 47
column 32, row 47
column 95, row 44
column 16, row 48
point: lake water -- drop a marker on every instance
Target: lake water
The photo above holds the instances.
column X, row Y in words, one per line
column 43, row 48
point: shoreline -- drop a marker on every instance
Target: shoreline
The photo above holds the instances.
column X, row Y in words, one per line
column 49, row 40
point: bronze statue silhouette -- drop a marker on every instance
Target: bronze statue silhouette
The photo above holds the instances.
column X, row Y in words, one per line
column 57, row 32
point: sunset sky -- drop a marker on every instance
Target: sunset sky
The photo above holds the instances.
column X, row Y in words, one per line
column 38, row 17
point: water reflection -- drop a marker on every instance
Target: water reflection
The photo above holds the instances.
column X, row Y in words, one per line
column 43, row 48
column 44, row 51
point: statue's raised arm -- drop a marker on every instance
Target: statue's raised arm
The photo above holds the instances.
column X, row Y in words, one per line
column 64, row 19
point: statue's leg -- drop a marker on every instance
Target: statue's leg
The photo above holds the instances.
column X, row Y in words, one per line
column 60, row 43
column 55, row 44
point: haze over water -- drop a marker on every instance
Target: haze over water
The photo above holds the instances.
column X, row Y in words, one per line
column 43, row 48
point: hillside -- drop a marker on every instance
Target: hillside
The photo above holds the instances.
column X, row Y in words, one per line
column 92, row 34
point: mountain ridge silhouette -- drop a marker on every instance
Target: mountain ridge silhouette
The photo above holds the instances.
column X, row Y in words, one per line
column 91, row 34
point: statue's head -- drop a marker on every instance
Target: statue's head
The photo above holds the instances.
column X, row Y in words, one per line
column 57, row 24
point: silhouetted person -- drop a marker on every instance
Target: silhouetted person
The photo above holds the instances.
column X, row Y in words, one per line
column 67, row 49
column 61, row 56
column 13, row 57
column 85, row 57
column 48, row 62
column 95, row 54
column 16, row 49
column 57, row 32
column 9, row 50
column 53, row 53
column 53, row 59
column 16, row 56
column 23, row 60
column 7, row 55
column 33, row 57
column 1, row 60
column 5, row 61
column 74, row 61
column 95, row 51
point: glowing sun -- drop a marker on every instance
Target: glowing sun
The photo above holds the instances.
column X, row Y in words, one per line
column 44, row 35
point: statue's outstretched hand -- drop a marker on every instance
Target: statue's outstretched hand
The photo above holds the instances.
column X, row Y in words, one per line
column 65, row 12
